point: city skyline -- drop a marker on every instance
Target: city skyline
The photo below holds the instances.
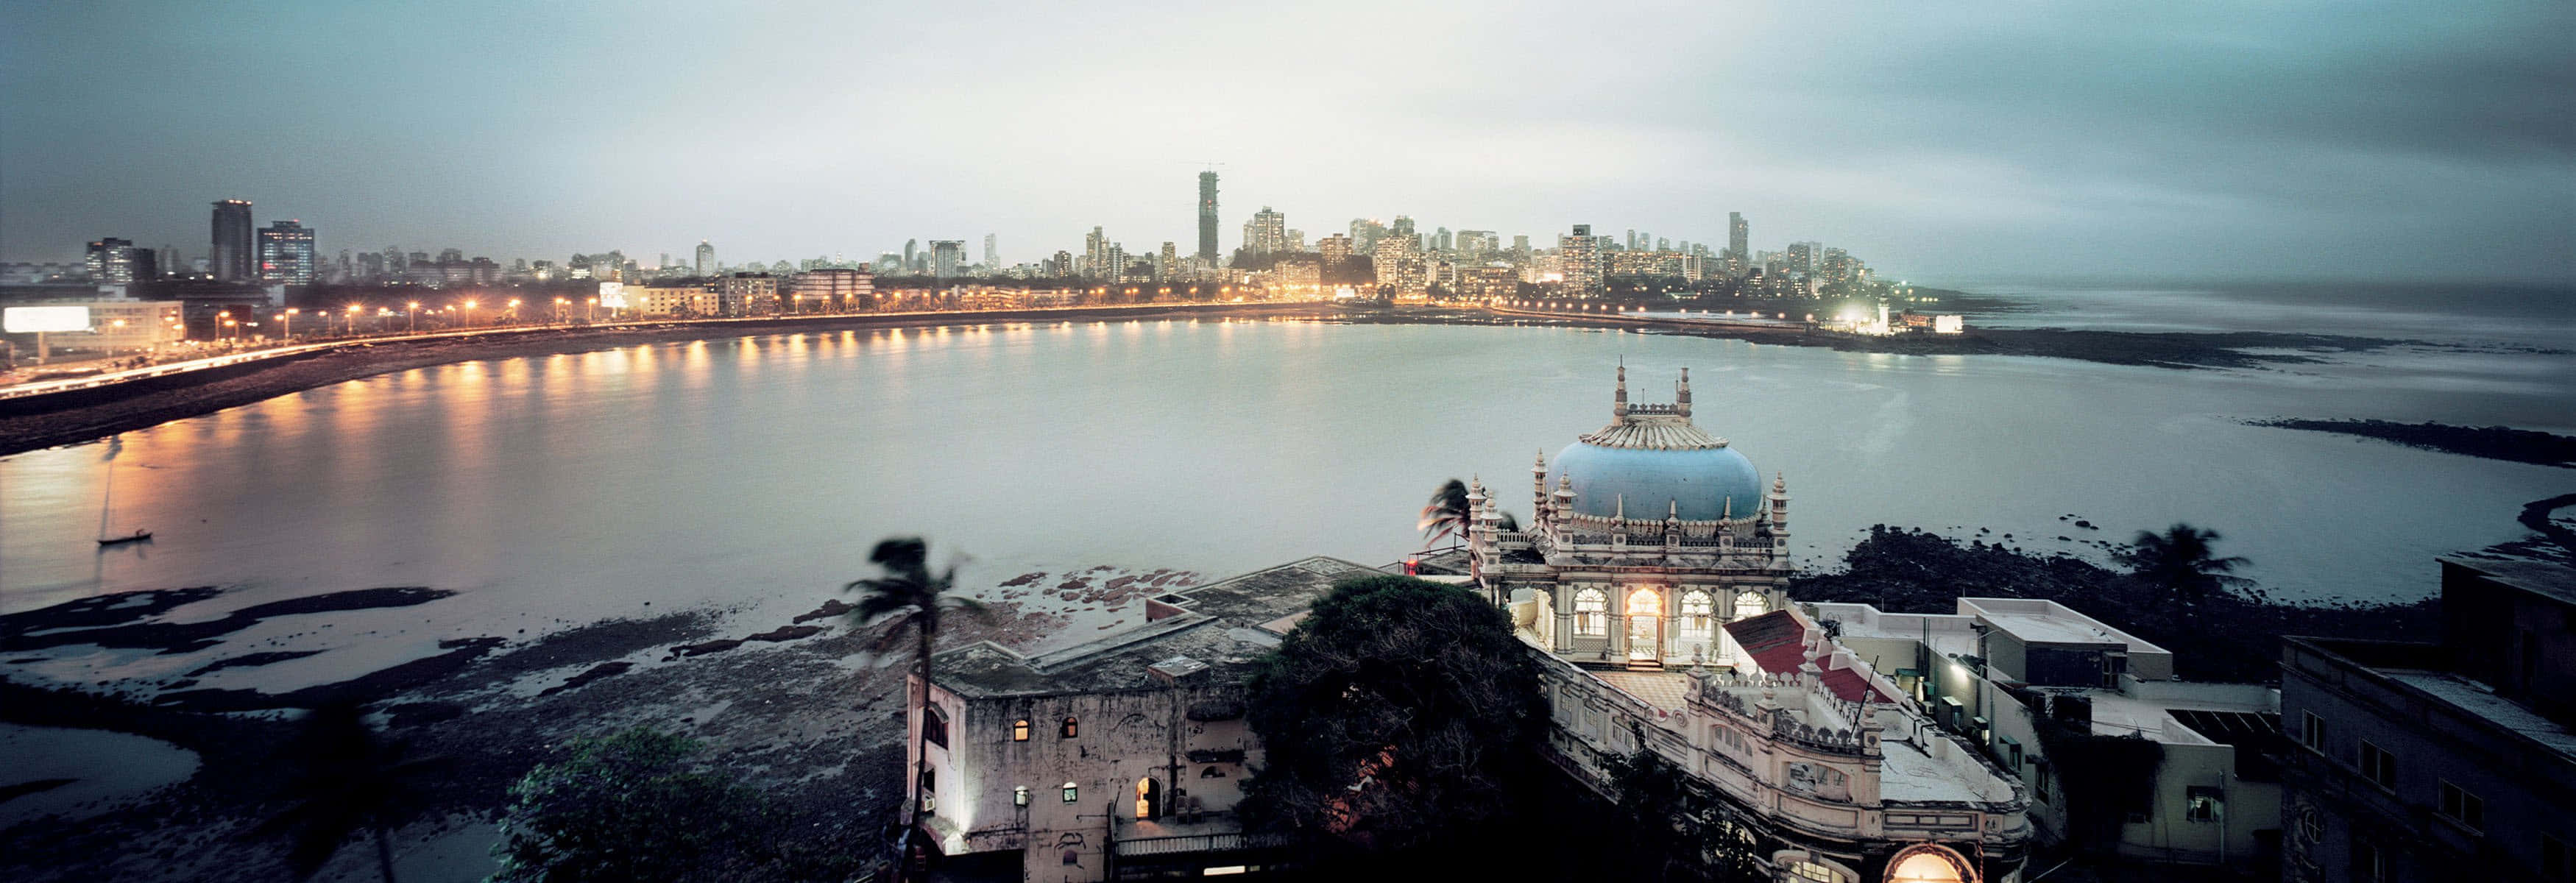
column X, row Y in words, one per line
column 2290, row 141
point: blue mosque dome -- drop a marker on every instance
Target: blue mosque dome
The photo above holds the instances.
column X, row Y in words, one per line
column 1651, row 460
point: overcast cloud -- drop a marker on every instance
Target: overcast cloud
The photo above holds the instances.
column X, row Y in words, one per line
column 1934, row 139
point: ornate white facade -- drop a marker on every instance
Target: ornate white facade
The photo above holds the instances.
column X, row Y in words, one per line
column 1651, row 583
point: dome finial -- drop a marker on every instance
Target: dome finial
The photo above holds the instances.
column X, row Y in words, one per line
column 1681, row 399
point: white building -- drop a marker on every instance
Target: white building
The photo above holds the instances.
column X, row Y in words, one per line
column 1650, row 581
column 1999, row 670
column 1118, row 758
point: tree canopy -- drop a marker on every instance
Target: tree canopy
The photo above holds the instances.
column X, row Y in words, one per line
column 631, row 807
column 1399, row 718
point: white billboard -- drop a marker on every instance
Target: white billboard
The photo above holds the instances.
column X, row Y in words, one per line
column 27, row 320
column 612, row 295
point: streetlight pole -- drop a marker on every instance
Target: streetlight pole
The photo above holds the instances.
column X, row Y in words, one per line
column 411, row 317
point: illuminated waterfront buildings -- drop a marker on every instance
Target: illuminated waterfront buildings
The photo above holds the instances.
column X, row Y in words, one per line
column 1578, row 259
column 113, row 261
column 1267, row 232
column 286, row 254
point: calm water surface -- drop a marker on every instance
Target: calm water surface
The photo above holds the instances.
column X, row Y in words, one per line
column 754, row 473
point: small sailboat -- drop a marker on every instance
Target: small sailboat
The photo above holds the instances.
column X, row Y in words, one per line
column 105, row 503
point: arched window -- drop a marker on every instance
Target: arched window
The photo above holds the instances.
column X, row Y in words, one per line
column 1751, row 604
column 1591, row 609
column 1698, row 608
column 1211, row 773
column 934, row 726
column 1020, row 796
column 1072, row 792
column 1020, row 730
column 1069, row 730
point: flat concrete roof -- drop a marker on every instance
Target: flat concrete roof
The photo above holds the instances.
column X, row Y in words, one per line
column 2048, row 622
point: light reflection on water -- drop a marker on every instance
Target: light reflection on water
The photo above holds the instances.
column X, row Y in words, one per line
column 756, row 471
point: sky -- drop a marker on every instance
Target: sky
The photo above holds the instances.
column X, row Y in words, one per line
column 1934, row 139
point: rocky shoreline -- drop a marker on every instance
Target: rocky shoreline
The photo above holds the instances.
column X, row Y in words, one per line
column 807, row 711
column 2178, row 350
column 2490, row 442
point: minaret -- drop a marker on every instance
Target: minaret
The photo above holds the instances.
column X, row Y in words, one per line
column 1681, row 399
column 1780, row 504
column 1538, row 487
column 1619, row 402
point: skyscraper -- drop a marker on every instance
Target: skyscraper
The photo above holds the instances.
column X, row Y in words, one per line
column 232, row 254
column 1266, row 232
column 946, row 255
column 1207, row 216
column 286, row 254
column 1736, row 235
column 113, row 261
column 706, row 258
column 911, row 254
column 992, row 255
column 1579, row 257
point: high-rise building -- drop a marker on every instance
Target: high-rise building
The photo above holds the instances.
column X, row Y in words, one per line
column 113, row 261
column 911, row 254
column 1441, row 241
column 1401, row 265
column 1336, row 249
column 1207, row 216
column 992, row 255
column 1736, row 235
column 286, row 254
column 706, row 264
column 1802, row 257
column 946, row 255
column 1095, row 254
column 1477, row 242
column 1266, row 232
column 1578, row 258
column 1169, row 264
column 232, row 247
column 1364, row 235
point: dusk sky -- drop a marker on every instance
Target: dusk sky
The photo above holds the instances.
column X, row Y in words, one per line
column 1957, row 140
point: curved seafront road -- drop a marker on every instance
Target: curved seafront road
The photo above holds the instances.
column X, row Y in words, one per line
column 68, row 412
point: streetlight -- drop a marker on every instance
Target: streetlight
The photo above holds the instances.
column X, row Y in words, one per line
column 469, row 314
column 411, row 316
column 353, row 321
column 288, row 317
column 560, row 304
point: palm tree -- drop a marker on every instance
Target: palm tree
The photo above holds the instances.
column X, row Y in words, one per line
column 1447, row 513
column 2182, row 562
column 909, row 597
column 345, row 778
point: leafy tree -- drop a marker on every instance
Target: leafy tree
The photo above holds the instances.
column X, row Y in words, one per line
column 629, row 808
column 910, row 598
column 1400, row 721
column 1447, row 514
column 344, row 778
column 2182, row 563
column 1667, row 827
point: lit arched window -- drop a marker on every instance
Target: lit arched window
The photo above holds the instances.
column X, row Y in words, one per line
column 1020, row 796
column 1697, row 609
column 1020, row 730
column 1069, row 729
column 1072, row 792
column 1591, row 609
column 1751, row 604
